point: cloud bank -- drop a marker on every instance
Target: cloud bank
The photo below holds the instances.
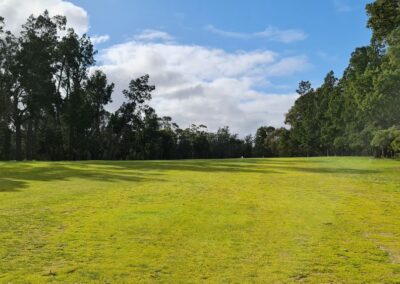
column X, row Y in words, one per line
column 204, row 85
column 16, row 12
column 195, row 84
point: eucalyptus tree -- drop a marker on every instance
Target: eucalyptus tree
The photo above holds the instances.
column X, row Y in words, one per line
column 5, row 96
column 98, row 94
column 13, row 110
column 384, row 17
column 302, row 118
column 127, row 122
column 76, row 56
column 36, row 68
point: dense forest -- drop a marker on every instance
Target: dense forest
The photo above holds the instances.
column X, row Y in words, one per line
column 52, row 104
column 358, row 114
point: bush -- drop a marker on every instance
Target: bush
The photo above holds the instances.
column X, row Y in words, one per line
column 386, row 142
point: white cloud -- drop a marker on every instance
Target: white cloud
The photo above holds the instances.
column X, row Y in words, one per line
column 270, row 33
column 195, row 84
column 223, row 33
column 16, row 12
column 202, row 85
column 288, row 65
column 100, row 39
column 153, row 35
column 342, row 6
column 285, row 36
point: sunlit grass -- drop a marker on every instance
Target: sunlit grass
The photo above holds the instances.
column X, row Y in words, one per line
column 318, row 220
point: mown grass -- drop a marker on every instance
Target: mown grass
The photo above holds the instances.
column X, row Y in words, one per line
column 316, row 220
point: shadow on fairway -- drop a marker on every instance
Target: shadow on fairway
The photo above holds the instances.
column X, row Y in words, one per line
column 264, row 166
column 16, row 176
column 9, row 185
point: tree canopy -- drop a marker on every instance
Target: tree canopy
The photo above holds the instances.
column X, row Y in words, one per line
column 53, row 104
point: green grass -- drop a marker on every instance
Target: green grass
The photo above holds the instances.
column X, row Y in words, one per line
column 316, row 220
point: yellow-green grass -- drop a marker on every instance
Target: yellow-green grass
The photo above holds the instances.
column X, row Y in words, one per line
column 313, row 220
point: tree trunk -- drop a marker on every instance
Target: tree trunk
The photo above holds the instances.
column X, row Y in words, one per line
column 7, row 143
column 29, row 137
column 34, row 139
column 17, row 119
column 18, row 140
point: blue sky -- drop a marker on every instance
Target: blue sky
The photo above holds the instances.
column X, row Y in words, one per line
column 333, row 27
column 217, row 63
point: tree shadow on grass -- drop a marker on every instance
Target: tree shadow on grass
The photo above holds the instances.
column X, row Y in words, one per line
column 9, row 185
column 204, row 166
column 17, row 176
column 263, row 166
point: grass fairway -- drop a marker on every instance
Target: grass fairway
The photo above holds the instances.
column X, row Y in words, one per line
column 317, row 220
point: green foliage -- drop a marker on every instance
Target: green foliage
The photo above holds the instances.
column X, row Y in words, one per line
column 384, row 17
column 395, row 145
column 261, row 148
column 52, row 107
column 386, row 142
column 348, row 116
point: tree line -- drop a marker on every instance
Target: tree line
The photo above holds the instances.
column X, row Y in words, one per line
column 52, row 104
column 359, row 113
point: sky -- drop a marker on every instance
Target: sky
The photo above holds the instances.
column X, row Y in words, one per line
column 225, row 62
